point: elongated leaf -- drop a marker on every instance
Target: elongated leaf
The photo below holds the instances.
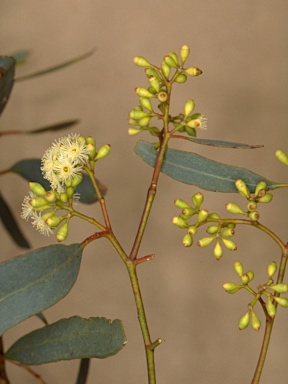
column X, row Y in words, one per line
column 53, row 127
column 35, row 281
column 55, row 67
column 7, row 68
column 221, row 143
column 190, row 168
column 11, row 225
column 69, row 339
column 30, row 170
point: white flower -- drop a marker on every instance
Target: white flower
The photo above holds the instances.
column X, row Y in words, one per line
column 74, row 149
column 41, row 226
column 27, row 209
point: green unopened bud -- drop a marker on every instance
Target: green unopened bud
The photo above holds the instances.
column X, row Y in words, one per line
column 193, row 71
column 51, row 196
column 191, row 131
column 137, row 115
column 271, row 309
column 214, row 215
column 151, row 72
column 165, row 69
column 202, row 215
column 255, row 321
column 260, row 187
column 91, row 140
column 244, row 321
column 187, row 240
column 184, row 53
column 238, row 268
column 254, row 216
column 282, row 301
column 192, row 230
column 250, row 274
column 77, row 179
column 272, row 268
column 53, row 221
column 174, row 57
column 91, row 149
column 251, row 206
column 155, row 83
column 228, row 232
column 212, row 229
column 162, row 96
column 37, row 189
column 280, row 288
column 242, row 188
column 282, row 156
column 141, row 61
column 181, row 223
column 170, row 62
column 70, row 192
column 188, row 212
column 229, row 244
column 197, row 199
column 181, row 204
column 143, row 92
column 64, row 197
column 231, row 287
column 144, row 122
column 62, row 232
column 81, row 140
column 189, row 107
column 205, row 241
column 103, row 151
column 181, row 78
column 217, row 252
column 146, row 103
column 152, row 90
column 244, row 279
column 47, row 215
column 134, row 131
column 194, row 123
column 38, row 202
column 234, row 208
column 266, row 198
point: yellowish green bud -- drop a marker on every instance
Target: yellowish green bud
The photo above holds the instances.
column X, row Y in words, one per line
column 165, row 69
column 250, row 274
column 234, row 208
column 91, row 150
column 260, row 187
column 251, row 206
column 205, row 241
column 280, row 288
column 189, row 107
column 184, row 53
column 38, row 202
column 244, row 279
column 255, row 321
column 218, row 252
column 143, row 92
column 155, row 83
column 193, row 71
column 214, row 215
column 192, row 230
column 181, row 223
column 81, row 140
column 266, row 198
column 187, row 240
column 202, row 215
column 91, row 140
column 141, row 61
column 62, row 232
column 271, row 309
column 188, row 212
column 162, row 96
column 144, row 122
column 244, row 321
column 197, row 199
column 53, row 221
column 51, row 196
column 146, row 103
column 282, row 301
column 151, row 72
column 181, row 204
column 103, row 151
column 229, row 244
column 77, row 179
column 282, row 156
column 37, row 189
column 170, row 62
column 272, row 268
column 64, row 197
column 70, row 192
column 242, row 188
column 212, row 229
column 137, row 115
column 190, row 131
column 228, row 232
column 238, row 268
column 254, row 216
column 134, row 131
column 194, row 123
column 231, row 287
column 181, row 78
column 47, row 215
column 174, row 57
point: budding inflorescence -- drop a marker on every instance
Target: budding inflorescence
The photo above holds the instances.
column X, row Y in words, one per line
column 161, row 79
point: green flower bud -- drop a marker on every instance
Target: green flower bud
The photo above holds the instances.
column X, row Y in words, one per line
column 188, row 107
column 151, row 72
column 231, row 287
column 165, row 69
column 155, row 83
column 280, row 288
column 202, row 215
column 188, row 212
column 62, row 232
column 64, row 197
column 229, row 244
column 91, row 140
column 271, row 309
column 134, row 131
column 242, row 188
column 181, row 204
column 170, row 62
column 255, row 321
column 244, row 279
column 244, row 321
column 162, row 96
column 281, row 156
column 51, row 196
column 192, row 230
column 190, row 131
column 53, row 221
column 184, row 53
column 174, row 57
column 103, row 151
column 272, row 268
column 143, row 92
column 38, row 202
column 282, row 301
column 181, row 78
column 70, row 192
column 251, row 206
column 228, row 232
column 266, row 198
column 37, row 189
column 238, row 268
column 193, row 71
column 152, row 90
column 141, row 61
column 194, row 123
column 260, row 187
column 137, row 115
column 213, row 215
column 144, row 122
column 146, row 103
column 205, row 241
column 218, row 252
column 77, row 179
column 187, row 240
column 181, row 223
column 234, row 208
column 91, row 150
column 197, row 199
column 254, row 216
column 47, row 215
column 250, row 274
column 81, row 140
column 212, row 229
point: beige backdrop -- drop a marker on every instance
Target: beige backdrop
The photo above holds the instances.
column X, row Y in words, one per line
column 241, row 46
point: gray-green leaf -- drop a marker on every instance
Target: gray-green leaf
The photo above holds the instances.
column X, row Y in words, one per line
column 68, row 339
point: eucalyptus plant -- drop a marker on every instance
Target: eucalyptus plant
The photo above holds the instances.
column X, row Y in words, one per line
column 66, row 173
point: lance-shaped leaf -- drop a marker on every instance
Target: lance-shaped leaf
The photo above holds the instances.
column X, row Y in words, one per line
column 11, row 225
column 221, row 143
column 190, row 168
column 30, row 170
column 68, row 339
column 7, row 68
column 53, row 127
column 35, row 281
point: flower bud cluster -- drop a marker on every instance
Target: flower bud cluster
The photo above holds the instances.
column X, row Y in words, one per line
column 220, row 234
column 160, row 79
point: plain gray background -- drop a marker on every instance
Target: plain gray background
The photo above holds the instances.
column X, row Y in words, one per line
column 241, row 46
